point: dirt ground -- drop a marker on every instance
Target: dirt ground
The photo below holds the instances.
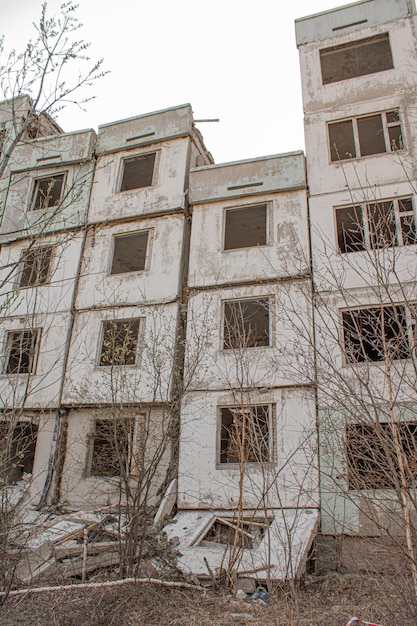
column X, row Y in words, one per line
column 326, row 601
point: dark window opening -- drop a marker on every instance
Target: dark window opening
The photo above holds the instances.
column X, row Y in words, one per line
column 371, row 135
column 17, row 450
column 48, row 191
column 22, row 348
column 247, row 533
column 382, row 228
column 245, row 434
column 130, row 252
column 342, row 142
column 112, row 447
column 35, row 266
column 376, row 334
column 138, row 172
column 246, row 323
column 357, row 58
column 350, row 234
column 245, row 227
column 373, row 457
column 120, row 342
column 364, row 136
column 376, row 225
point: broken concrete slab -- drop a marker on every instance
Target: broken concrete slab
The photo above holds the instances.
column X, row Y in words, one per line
column 280, row 554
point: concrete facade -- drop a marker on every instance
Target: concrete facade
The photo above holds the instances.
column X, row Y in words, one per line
column 367, row 274
column 199, row 310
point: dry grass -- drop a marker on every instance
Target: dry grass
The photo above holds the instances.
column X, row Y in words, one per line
column 329, row 600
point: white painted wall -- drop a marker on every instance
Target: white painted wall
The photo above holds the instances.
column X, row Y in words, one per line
column 286, row 361
column 81, row 490
column 289, row 481
column 165, row 194
column 55, row 295
column 41, row 388
column 285, row 255
column 158, row 282
column 86, row 382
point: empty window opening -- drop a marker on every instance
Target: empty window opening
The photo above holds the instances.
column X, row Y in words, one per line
column 22, row 347
column 111, row 448
column 364, row 136
column 35, row 264
column 130, row 252
column 227, row 531
column 245, row 434
column 17, row 450
column 356, row 58
column 376, row 334
column 246, row 323
column 373, row 458
column 120, row 342
column 245, row 227
column 376, row 225
column 138, row 172
column 47, row 192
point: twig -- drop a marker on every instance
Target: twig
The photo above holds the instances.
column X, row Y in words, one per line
column 109, row 583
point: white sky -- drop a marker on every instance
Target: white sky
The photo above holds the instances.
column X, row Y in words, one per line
column 231, row 59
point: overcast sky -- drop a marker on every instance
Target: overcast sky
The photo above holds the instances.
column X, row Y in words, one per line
column 231, row 59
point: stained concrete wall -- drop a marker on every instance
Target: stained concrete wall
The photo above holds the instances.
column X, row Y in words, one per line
column 41, row 389
column 55, row 295
column 64, row 154
column 80, row 489
column 289, row 480
column 158, row 282
column 149, row 380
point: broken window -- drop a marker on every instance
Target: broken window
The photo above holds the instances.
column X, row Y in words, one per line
column 356, row 58
column 22, row 347
column 245, row 435
column 111, row 449
column 35, row 264
column 47, row 192
column 246, row 323
column 373, row 458
column 17, row 450
column 245, row 227
column 363, row 136
column 120, row 342
column 376, row 225
column 129, row 253
column 227, row 531
column 376, row 334
column 138, row 172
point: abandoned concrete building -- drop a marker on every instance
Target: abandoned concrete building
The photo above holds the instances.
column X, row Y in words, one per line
column 198, row 328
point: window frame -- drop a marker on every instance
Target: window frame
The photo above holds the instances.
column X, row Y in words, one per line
column 270, row 300
column 8, row 347
column 354, row 473
column 132, row 443
column 386, row 125
column 21, row 424
column 149, row 243
column 35, row 188
column 267, row 205
column 132, row 157
column 271, row 435
column 351, row 45
column 366, row 230
column 103, row 322
column 409, row 330
column 24, row 256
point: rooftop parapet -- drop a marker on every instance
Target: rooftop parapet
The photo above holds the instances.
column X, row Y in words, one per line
column 249, row 177
column 55, row 150
column 349, row 18
column 145, row 129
